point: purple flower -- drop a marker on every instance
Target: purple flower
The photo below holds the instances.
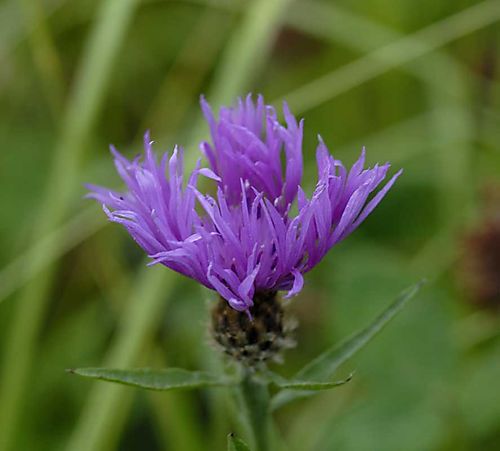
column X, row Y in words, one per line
column 248, row 142
column 246, row 240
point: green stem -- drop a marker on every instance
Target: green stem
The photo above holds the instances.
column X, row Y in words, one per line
column 252, row 399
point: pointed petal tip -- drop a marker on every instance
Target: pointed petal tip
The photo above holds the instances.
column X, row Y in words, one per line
column 206, row 109
column 298, row 284
column 114, row 150
column 209, row 174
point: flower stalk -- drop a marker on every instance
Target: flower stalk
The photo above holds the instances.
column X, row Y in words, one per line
column 253, row 403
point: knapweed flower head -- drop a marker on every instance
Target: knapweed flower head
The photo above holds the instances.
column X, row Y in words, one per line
column 246, row 239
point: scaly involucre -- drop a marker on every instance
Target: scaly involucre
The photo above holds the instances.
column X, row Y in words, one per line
column 245, row 240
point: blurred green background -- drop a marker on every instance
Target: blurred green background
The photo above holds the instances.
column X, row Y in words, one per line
column 417, row 83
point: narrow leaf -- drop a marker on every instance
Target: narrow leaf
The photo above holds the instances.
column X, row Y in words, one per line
column 324, row 366
column 313, row 386
column 163, row 379
column 236, row 444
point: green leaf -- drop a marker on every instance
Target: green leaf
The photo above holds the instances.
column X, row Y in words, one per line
column 236, row 444
column 311, row 385
column 324, row 366
column 295, row 384
column 163, row 379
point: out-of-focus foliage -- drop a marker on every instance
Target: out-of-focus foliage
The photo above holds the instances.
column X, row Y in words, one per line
column 417, row 83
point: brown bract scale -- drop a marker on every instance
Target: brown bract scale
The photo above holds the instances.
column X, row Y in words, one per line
column 253, row 341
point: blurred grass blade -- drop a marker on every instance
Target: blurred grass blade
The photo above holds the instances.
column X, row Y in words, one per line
column 311, row 385
column 236, row 444
column 106, row 406
column 325, row 365
column 185, row 77
column 341, row 26
column 174, row 416
column 248, row 49
column 162, row 379
column 393, row 55
column 46, row 251
column 244, row 55
column 45, row 54
column 80, row 115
